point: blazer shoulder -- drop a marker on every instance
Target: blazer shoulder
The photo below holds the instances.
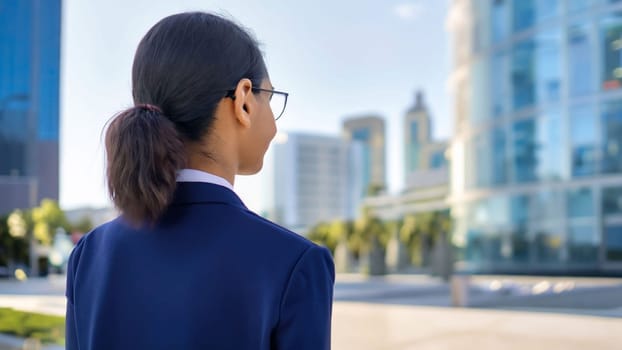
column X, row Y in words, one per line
column 279, row 232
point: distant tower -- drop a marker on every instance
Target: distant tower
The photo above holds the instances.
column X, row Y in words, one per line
column 369, row 132
column 417, row 133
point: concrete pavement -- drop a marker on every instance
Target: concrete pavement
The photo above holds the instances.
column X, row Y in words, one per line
column 383, row 327
column 368, row 326
column 411, row 312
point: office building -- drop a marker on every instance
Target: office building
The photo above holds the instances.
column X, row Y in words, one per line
column 29, row 102
column 536, row 180
column 370, row 132
column 426, row 169
column 314, row 181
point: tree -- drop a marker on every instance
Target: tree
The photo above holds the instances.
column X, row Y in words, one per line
column 15, row 231
column 47, row 218
column 375, row 189
column 421, row 232
column 17, row 224
column 83, row 225
column 6, row 242
column 373, row 235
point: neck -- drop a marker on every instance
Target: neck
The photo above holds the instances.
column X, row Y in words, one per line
column 213, row 166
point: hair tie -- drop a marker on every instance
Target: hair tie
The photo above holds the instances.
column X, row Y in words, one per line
column 149, row 107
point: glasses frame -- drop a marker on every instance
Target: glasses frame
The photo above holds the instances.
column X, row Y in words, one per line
column 231, row 94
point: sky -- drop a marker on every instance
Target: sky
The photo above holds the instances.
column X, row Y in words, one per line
column 337, row 59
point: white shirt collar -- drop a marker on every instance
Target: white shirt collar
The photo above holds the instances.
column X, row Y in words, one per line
column 193, row 175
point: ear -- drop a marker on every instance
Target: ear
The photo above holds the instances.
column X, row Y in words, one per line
column 244, row 102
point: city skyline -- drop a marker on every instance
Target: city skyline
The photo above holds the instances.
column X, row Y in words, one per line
column 357, row 60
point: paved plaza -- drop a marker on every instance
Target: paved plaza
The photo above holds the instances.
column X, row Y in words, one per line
column 413, row 312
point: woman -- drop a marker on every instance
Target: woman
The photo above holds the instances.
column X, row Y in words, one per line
column 187, row 265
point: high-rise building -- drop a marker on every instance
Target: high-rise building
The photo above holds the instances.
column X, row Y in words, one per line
column 426, row 170
column 370, row 132
column 421, row 153
column 537, row 153
column 29, row 102
column 313, row 180
column 417, row 131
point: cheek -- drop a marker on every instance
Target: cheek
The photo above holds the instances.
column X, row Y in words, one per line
column 269, row 128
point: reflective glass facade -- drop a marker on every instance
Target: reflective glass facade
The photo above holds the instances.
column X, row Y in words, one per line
column 29, row 101
column 363, row 135
column 538, row 188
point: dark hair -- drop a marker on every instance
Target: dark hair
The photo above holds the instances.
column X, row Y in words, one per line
column 182, row 68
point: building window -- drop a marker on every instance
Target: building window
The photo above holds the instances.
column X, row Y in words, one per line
column 361, row 135
column 613, row 236
column 499, row 20
column 583, row 238
column 583, row 243
column 414, row 131
column 489, row 151
column 522, row 74
column 579, row 5
column 414, row 148
column 612, row 200
column 612, row 137
column 582, row 75
column 499, row 82
column 536, row 152
column 536, row 72
column 548, row 243
column 525, row 150
column 548, row 63
column 611, row 36
column 524, row 14
column 479, row 91
column 14, row 142
column 580, row 203
column 437, row 160
column 583, row 140
column 527, row 13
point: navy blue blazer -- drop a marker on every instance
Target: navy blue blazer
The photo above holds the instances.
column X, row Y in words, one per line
column 209, row 275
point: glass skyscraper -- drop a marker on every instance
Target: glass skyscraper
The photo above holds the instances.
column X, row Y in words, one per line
column 369, row 132
column 536, row 183
column 29, row 101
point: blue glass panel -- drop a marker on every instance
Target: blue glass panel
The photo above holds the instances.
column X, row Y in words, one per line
column 523, row 82
column 527, row 13
column 581, row 65
column 580, row 203
column 611, row 34
column 612, row 200
column 583, row 243
column 583, row 140
column 48, row 61
column 499, row 20
column 361, row 135
column 580, row 5
column 613, row 236
column 612, row 137
column 437, row 160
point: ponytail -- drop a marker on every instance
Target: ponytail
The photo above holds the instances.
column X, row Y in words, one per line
column 144, row 152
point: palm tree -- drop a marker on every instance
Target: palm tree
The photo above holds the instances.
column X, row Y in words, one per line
column 373, row 235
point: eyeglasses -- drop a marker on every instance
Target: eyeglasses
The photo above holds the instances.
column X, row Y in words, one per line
column 278, row 100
